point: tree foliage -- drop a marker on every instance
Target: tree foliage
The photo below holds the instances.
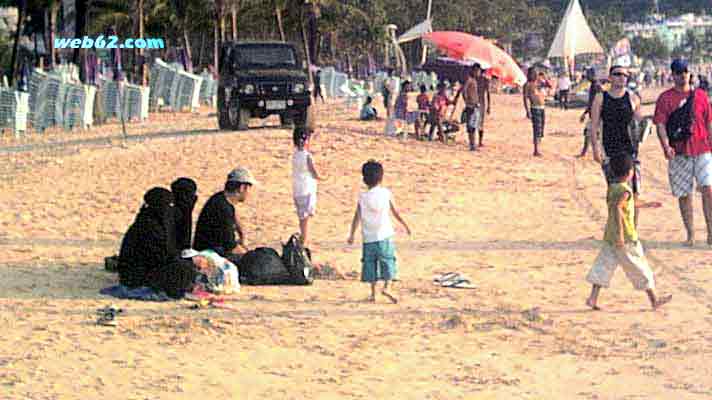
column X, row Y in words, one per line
column 355, row 28
column 650, row 48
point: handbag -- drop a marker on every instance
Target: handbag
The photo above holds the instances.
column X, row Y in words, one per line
column 679, row 124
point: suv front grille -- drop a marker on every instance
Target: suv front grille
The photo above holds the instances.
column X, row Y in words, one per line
column 276, row 89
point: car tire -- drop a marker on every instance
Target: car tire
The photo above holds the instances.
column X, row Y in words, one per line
column 223, row 117
column 243, row 119
column 285, row 120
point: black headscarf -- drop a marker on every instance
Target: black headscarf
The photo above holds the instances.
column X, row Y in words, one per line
column 184, row 190
column 150, row 241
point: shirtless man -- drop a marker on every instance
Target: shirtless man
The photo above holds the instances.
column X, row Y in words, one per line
column 483, row 90
column 534, row 95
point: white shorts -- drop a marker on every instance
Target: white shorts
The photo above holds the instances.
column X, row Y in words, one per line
column 305, row 205
column 631, row 258
column 684, row 170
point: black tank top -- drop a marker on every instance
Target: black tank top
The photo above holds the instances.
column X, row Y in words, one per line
column 616, row 115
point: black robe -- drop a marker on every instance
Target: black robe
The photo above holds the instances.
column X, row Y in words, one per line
column 148, row 255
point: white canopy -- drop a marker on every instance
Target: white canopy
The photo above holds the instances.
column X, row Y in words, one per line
column 574, row 35
column 416, row 32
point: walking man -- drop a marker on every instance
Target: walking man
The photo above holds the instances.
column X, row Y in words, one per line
column 534, row 97
column 613, row 110
column 690, row 158
column 317, row 87
column 593, row 90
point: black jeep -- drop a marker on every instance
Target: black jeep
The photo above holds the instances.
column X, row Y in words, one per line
column 258, row 79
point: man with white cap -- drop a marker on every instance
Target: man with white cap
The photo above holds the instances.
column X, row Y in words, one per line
column 218, row 222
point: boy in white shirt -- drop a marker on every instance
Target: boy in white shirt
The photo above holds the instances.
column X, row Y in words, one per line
column 373, row 212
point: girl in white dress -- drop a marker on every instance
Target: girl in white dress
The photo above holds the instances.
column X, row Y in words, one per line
column 304, row 177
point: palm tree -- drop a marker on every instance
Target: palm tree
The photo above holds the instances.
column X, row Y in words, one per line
column 180, row 7
column 21, row 13
column 51, row 8
column 278, row 6
column 80, row 27
column 219, row 31
column 142, row 70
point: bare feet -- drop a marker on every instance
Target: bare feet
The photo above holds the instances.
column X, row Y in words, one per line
column 661, row 301
column 593, row 305
column 390, row 297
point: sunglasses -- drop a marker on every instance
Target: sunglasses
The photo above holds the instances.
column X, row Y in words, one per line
column 619, row 74
column 680, row 72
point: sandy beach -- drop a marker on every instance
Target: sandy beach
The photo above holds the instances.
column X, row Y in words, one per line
column 525, row 230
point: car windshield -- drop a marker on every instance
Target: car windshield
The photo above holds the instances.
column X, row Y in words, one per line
column 265, row 56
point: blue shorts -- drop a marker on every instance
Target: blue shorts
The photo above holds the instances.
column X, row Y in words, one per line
column 379, row 261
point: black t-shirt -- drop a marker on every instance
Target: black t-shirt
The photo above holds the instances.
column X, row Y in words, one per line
column 215, row 228
column 616, row 115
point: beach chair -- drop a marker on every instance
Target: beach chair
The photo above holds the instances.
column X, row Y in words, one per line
column 187, row 91
column 13, row 110
column 73, row 106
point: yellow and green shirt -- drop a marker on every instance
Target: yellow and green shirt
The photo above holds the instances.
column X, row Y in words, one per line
column 615, row 191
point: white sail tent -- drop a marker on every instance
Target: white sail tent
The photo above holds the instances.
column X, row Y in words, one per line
column 574, row 36
column 416, row 32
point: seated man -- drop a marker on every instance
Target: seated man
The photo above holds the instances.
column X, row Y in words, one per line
column 368, row 111
column 218, row 223
column 148, row 255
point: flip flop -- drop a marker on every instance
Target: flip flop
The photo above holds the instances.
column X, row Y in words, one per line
column 439, row 279
column 460, row 284
column 107, row 320
column 112, row 309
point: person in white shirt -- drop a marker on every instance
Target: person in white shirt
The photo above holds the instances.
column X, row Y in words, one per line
column 564, row 85
column 374, row 213
column 304, row 177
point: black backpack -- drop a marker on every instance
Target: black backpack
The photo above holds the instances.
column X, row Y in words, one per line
column 297, row 259
column 679, row 124
column 263, row 266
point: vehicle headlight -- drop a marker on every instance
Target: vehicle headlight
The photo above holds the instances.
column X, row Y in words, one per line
column 248, row 89
column 298, row 88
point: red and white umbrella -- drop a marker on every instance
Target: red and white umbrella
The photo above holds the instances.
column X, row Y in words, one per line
column 463, row 46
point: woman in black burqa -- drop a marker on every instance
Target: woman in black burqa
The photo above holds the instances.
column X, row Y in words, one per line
column 148, row 255
column 184, row 190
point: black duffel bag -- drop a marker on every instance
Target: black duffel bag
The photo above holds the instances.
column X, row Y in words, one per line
column 263, row 266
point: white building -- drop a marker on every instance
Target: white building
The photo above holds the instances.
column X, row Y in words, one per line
column 672, row 31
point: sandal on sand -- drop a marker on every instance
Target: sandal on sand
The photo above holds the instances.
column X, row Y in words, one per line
column 107, row 319
column 112, row 309
column 448, row 276
column 460, row 284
